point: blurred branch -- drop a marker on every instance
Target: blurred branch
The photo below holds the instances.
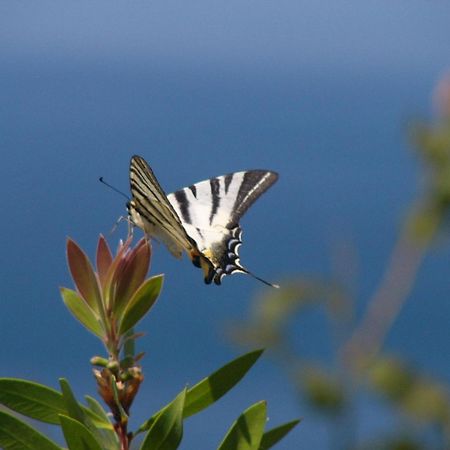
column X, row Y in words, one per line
column 432, row 143
column 387, row 302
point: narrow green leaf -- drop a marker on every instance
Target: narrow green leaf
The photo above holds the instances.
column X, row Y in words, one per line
column 82, row 414
column 132, row 274
column 32, row 399
column 123, row 414
column 17, row 435
column 273, row 436
column 142, row 300
column 39, row 402
column 247, row 431
column 110, row 281
column 97, row 409
column 82, row 311
column 104, row 259
column 167, row 430
column 73, row 409
column 83, row 275
column 77, row 436
column 129, row 348
column 96, row 412
column 211, row 388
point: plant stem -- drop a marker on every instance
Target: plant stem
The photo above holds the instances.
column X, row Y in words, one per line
column 121, row 430
column 387, row 301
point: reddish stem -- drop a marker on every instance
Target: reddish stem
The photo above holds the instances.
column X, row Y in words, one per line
column 121, row 430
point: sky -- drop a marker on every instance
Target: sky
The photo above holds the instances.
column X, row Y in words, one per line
column 321, row 92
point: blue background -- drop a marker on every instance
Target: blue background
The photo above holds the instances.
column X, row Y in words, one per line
column 321, row 92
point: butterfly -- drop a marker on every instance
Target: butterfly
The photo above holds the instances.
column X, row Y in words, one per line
column 201, row 220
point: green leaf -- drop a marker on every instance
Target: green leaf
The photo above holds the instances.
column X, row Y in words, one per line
column 77, row 436
column 129, row 348
column 17, row 435
column 123, row 414
column 81, row 414
column 73, row 408
column 247, row 431
column 82, row 311
column 142, row 300
column 39, row 402
column 83, row 276
column 273, row 436
column 105, row 428
column 96, row 408
column 104, row 259
column 32, row 399
column 210, row 389
column 132, row 274
column 167, row 430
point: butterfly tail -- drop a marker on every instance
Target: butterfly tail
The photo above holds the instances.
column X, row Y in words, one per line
column 277, row 286
column 218, row 275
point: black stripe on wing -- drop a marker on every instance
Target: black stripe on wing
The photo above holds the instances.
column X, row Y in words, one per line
column 215, row 197
column 143, row 181
column 151, row 202
column 254, row 183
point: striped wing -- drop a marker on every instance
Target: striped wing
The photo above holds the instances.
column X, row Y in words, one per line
column 151, row 211
column 210, row 212
column 202, row 219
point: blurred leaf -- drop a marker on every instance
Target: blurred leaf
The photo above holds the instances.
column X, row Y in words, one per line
column 167, row 430
column 83, row 275
column 323, row 390
column 247, row 431
column 212, row 388
column 32, row 399
column 77, row 436
column 272, row 312
column 277, row 307
column 132, row 274
column 423, row 223
column 392, row 443
column 143, row 299
column 17, row 435
column 275, row 435
column 428, row 401
column 82, row 312
column 391, row 377
column 104, row 259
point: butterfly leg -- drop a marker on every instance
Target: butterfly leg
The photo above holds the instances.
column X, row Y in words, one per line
column 121, row 219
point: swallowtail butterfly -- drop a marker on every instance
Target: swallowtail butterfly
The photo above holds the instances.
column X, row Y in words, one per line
column 202, row 219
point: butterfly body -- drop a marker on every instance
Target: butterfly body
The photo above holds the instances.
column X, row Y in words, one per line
column 202, row 219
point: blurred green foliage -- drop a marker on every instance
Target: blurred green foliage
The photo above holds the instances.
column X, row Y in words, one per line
column 360, row 365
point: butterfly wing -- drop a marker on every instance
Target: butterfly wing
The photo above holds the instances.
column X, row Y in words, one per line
column 151, row 211
column 210, row 212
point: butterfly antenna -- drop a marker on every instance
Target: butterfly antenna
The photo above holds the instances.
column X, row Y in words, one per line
column 113, row 188
column 277, row 286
